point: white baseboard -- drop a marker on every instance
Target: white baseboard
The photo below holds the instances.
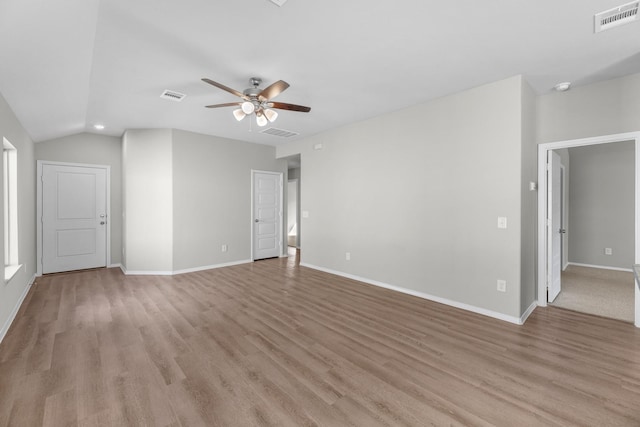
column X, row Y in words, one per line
column 14, row 312
column 604, row 267
column 528, row 312
column 186, row 270
column 115, row 266
column 452, row 303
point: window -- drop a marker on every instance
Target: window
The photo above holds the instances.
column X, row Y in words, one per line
column 10, row 198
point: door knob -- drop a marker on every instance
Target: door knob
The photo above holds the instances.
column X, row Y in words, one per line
column 101, row 222
column 562, row 231
column 257, row 220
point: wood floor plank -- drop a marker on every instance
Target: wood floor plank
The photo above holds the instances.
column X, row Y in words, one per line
column 274, row 344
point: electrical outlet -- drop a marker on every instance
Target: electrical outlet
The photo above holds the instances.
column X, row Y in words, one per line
column 347, row 256
column 608, row 251
column 501, row 286
column 224, row 248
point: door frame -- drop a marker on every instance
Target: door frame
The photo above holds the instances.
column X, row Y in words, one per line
column 40, row 164
column 283, row 252
column 295, row 181
column 542, row 205
column 552, row 232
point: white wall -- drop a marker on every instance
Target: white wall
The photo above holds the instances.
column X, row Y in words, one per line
column 13, row 292
column 602, row 204
column 93, row 149
column 148, row 200
column 414, row 196
column 212, row 197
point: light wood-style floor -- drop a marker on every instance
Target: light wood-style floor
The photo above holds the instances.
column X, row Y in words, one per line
column 271, row 343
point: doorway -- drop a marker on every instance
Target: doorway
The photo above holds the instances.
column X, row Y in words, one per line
column 266, row 219
column 292, row 212
column 545, row 237
column 73, row 230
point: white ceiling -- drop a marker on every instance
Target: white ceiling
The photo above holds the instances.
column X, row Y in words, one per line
column 68, row 64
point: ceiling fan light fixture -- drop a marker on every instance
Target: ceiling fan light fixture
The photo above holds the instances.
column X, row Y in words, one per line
column 261, row 120
column 248, row 107
column 271, row 115
column 239, row 114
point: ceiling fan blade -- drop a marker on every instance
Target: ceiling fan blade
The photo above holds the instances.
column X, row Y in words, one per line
column 290, row 107
column 225, row 88
column 273, row 90
column 228, row 104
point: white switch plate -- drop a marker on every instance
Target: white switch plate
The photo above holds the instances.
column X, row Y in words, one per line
column 501, row 285
column 224, row 248
column 347, row 256
column 318, row 146
column 502, row 222
column 305, row 214
column 608, row 251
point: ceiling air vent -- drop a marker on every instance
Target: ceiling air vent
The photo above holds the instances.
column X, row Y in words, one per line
column 172, row 95
column 279, row 132
column 617, row 16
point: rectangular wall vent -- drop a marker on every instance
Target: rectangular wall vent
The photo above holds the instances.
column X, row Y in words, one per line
column 279, row 132
column 617, row 16
column 172, row 95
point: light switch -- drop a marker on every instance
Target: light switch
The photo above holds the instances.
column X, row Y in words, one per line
column 305, row 214
column 502, row 222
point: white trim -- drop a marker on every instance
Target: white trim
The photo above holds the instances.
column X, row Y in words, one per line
column 115, row 266
column 283, row 245
column 10, row 272
column 603, row 267
column 14, row 312
column 452, row 303
column 527, row 313
column 40, row 164
column 637, row 305
column 542, row 203
column 186, row 270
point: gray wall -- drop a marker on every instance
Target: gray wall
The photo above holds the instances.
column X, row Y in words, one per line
column 12, row 292
column 93, row 149
column 528, row 285
column 212, row 197
column 186, row 195
column 148, row 200
column 602, row 204
column 414, row 196
column 603, row 108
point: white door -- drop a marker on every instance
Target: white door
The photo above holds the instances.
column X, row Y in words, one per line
column 74, row 215
column 554, row 225
column 267, row 215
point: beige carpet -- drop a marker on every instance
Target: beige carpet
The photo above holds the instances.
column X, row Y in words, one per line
column 606, row 293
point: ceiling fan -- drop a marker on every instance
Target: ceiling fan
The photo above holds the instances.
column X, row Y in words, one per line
column 257, row 101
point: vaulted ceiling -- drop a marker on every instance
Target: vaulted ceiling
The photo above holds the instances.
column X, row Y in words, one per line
column 66, row 65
